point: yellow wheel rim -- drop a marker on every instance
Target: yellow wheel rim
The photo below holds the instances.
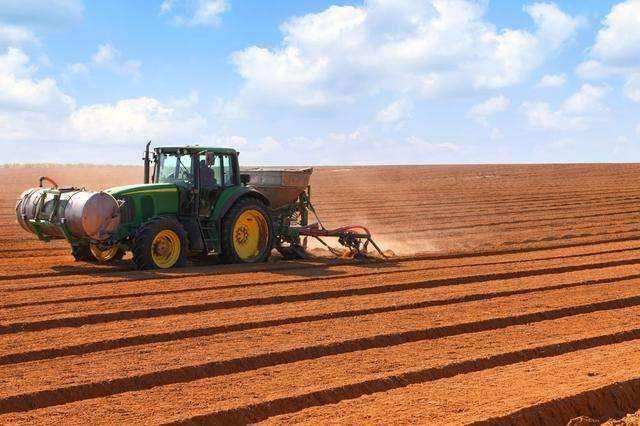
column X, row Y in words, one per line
column 103, row 255
column 165, row 249
column 250, row 234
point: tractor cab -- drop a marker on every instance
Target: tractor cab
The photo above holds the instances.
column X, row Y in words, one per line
column 211, row 203
column 202, row 173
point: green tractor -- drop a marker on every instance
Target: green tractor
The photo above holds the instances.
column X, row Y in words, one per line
column 195, row 201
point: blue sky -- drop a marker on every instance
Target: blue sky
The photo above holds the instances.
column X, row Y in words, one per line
column 321, row 82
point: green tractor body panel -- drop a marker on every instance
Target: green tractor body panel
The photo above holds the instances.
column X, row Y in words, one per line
column 143, row 202
column 231, row 195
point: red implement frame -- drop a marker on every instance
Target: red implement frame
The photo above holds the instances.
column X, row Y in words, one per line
column 355, row 237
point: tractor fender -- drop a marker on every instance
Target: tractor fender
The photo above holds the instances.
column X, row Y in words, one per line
column 230, row 199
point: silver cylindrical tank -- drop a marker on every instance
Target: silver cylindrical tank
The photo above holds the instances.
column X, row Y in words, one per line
column 87, row 214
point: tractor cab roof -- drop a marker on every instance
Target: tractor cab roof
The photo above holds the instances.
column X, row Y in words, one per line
column 195, row 149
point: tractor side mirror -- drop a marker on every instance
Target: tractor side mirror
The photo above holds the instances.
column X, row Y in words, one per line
column 245, row 178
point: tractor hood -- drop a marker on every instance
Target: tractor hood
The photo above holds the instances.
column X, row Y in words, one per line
column 142, row 189
column 144, row 201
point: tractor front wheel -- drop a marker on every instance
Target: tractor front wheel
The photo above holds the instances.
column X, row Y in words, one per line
column 160, row 243
column 247, row 232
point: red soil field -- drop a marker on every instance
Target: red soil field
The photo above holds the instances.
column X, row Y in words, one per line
column 513, row 298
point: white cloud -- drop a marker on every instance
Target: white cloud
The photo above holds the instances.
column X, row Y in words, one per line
column 166, row 6
column 134, row 120
column 195, row 12
column 105, row 55
column 595, row 70
column 41, row 12
column 587, row 100
column 27, row 94
column 553, row 26
column 15, row 62
column 270, row 144
column 563, row 143
column 496, row 134
column 234, row 141
column 395, row 112
column 189, row 101
column 552, row 80
column 20, row 92
column 126, row 122
column 540, row 116
column 108, row 57
column 78, row 68
column 576, row 113
column 490, row 107
column 426, row 48
column 432, row 146
column 617, row 49
column 14, row 35
column 228, row 110
column 632, row 87
column 638, row 129
column 618, row 42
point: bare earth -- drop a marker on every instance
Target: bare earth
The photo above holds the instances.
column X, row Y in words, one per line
column 514, row 298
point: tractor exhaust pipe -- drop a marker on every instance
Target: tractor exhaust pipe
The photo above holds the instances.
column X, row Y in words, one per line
column 147, row 162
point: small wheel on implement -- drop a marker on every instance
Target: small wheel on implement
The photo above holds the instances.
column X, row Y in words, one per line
column 160, row 243
column 110, row 254
column 93, row 253
column 247, row 233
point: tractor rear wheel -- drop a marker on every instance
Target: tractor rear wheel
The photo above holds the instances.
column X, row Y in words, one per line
column 247, row 232
column 160, row 243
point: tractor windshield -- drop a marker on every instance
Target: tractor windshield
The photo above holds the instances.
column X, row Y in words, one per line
column 175, row 168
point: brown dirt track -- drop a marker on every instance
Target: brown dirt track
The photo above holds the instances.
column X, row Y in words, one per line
column 514, row 298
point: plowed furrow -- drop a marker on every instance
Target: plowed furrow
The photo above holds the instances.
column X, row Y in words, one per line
column 465, row 225
column 365, row 372
column 212, row 323
column 87, row 275
column 404, row 270
column 484, row 394
column 608, row 402
column 76, row 321
column 548, row 211
column 73, row 370
column 296, row 296
column 262, row 411
column 211, row 331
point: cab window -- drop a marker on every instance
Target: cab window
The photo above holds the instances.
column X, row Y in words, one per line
column 175, row 168
column 229, row 172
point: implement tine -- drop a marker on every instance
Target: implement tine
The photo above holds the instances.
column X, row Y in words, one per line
column 331, row 249
column 369, row 239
